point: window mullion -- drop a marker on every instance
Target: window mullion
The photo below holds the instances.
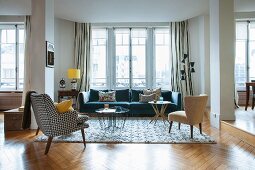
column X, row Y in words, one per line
column 150, row 68
column 130, row 60
column 111, row 72
column 16, row 58
column 247, row 53
column 0, row 56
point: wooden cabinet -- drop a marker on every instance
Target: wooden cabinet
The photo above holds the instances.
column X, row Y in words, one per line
column 67, row 95
column 13, row 120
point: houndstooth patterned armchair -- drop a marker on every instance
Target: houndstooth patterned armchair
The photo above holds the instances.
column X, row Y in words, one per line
column 51, row 123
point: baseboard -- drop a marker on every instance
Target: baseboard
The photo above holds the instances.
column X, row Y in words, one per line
column 243, row 135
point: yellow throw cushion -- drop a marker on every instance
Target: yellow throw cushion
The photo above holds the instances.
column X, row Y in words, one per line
column 64, row 106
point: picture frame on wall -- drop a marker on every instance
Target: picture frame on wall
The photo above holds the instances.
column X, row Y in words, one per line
column 49, row 54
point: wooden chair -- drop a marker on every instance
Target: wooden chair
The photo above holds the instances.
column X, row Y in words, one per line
column 194, row 108
column 253, row 95
column 52, row 123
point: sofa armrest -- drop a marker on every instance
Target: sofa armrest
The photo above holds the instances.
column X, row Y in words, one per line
column 83, row 97
column 177, row 99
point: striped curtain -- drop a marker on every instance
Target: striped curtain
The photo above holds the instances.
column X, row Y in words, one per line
column 82, row 53
column 27, row 59
column 179, row 45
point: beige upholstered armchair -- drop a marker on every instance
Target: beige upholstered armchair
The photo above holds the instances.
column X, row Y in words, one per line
column 194, row 108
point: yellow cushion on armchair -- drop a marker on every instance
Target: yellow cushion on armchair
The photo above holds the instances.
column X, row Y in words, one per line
column 64, row 106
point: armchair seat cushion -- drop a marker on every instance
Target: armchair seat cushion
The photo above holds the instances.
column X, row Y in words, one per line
column 179, row 116
column 82, row 118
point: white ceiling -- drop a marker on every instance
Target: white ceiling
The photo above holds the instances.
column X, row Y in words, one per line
column 122, row 10
column 129, row 10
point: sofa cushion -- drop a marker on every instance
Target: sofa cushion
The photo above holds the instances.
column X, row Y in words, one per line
column 135, row 95
column 122, row 95
column 93, row 95
column 139, row 105
column 167, row 95
column 171, row 108
column 98, row 105
column 147, row 98
column 64, row 106
column 107, row 96
column 151, row 91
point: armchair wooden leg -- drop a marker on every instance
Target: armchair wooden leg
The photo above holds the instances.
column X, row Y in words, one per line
column 200, row 128
column 191, row 131
column 48, row 145
column 252, row 103
column 83, row 137
column 179, row 126
column 37, row 131
column 171, row 123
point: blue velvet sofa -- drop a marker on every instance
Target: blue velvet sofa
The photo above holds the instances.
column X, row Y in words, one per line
column 88, row 102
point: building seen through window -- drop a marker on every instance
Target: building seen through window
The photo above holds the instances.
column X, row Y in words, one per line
column 245, row 53
column 11, row 57
column 130, row 58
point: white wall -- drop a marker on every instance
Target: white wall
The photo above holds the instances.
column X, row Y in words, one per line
column 222, row 45
column 11, row 19
column 199, row 48
column 64, row 52
column 195, row 48
column 49, row 36
column 42, row 30
column 199, row 53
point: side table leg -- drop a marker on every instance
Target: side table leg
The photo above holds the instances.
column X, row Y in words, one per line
column 155, row 108
column 162, row 112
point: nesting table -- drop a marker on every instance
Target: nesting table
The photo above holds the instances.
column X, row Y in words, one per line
column 159, row 112
column 111, row 115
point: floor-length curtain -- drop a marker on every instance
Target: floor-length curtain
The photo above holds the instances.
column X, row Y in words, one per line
column 27, row 59
column 179, row 47
column 82, row 53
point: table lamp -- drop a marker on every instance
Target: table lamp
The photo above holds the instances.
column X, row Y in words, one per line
column 73, row 74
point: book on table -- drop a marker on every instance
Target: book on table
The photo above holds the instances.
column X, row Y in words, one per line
column 21, row 108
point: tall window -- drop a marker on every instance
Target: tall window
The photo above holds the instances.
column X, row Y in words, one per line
column 130, row 58
column 122, row 57
column 245, row 53
column 138, row 69
column 162, row 58
column 98, row 58
column 11, row 57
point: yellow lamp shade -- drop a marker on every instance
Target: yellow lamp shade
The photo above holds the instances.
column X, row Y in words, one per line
column 73, row 73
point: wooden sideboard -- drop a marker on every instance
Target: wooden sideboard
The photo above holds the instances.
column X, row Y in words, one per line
column 13, row 120
column 68, row 94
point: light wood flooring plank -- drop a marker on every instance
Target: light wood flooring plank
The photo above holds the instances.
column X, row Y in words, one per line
column 19, row 150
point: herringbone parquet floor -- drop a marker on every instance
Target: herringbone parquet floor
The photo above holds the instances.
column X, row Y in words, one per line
column 18, row 151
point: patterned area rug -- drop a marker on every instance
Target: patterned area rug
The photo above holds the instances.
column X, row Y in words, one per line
column 134, row 131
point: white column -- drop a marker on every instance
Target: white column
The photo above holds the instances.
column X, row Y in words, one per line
column 222, row 38
column 42, row 30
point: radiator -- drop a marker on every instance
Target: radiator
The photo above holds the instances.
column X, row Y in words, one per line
column 10, row 100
